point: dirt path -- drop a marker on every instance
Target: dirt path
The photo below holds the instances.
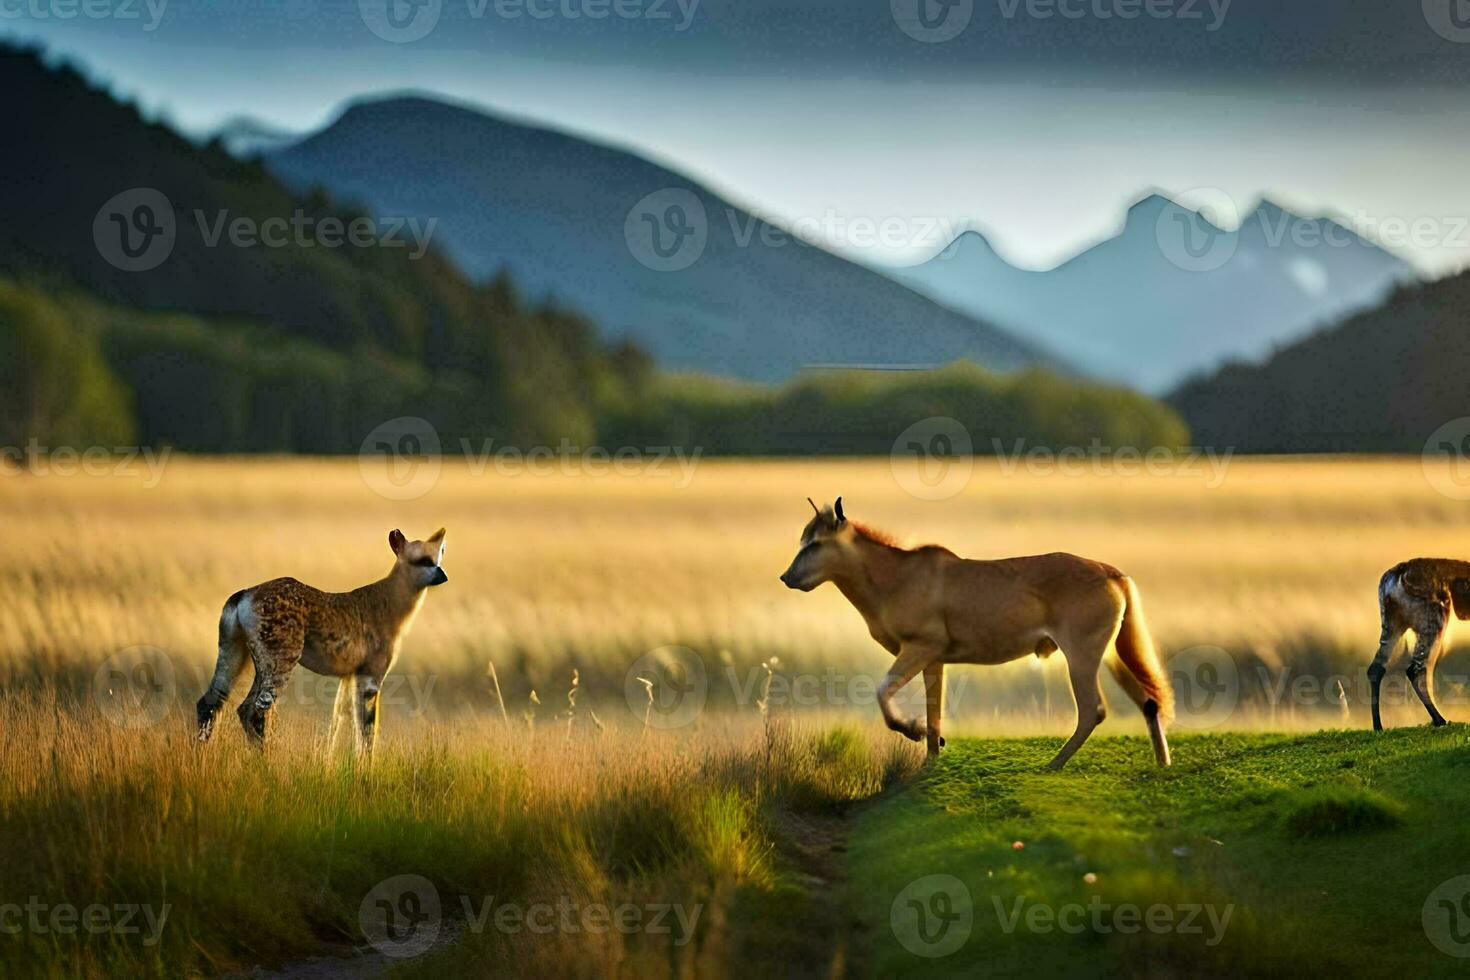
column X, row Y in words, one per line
column 361, row 962
column 822, row 938
column 816, row 848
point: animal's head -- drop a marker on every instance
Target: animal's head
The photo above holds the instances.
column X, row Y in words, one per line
column 420, row 560
column 826, row 549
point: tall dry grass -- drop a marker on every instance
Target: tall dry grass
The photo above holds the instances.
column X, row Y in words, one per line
column 1277, row 564
column 252, row 860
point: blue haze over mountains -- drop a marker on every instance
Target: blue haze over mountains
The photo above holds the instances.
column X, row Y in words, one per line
column 1149, row 308
column 551, row 209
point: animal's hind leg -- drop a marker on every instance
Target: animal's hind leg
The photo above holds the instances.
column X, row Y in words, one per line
column 1146, row 704
column 1084, row 658
column 1388, row 641
column 227, row 669
column 1428, row 634
column 272, row 666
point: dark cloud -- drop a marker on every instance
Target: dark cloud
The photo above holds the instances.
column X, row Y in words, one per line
column 1258, row 42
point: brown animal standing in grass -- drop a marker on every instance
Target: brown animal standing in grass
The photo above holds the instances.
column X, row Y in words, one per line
column 929, row 607
column 351, row 635
column 1418, row 595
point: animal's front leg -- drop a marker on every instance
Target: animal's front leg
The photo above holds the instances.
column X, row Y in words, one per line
column 912, row 658
column 934, row 703
column 342, row 711
column 367, row 713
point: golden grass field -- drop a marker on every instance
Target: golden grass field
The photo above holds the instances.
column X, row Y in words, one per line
column 104, row 797
column 1278, row 564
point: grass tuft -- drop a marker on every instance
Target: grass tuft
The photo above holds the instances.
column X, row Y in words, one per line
column 1337, row 809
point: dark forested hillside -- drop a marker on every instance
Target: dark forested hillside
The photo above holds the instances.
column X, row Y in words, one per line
column 1381, row 381
column 382, row 326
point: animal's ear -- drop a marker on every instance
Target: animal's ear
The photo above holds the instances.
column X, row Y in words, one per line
column 437, row 536
column 396, row 541
column 837, row 509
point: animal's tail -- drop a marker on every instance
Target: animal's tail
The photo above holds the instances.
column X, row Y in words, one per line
column 1137, row 666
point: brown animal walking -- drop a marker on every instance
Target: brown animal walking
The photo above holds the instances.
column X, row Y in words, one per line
column 929, row 607
column 1418, row 595
column 350, row 635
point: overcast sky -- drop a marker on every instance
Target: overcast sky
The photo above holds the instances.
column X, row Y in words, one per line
column 879, row 130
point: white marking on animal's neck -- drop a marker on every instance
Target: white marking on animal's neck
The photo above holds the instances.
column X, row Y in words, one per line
column 413, row 611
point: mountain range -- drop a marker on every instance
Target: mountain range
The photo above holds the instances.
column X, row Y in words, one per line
column 645, row 252
column 1172, row 294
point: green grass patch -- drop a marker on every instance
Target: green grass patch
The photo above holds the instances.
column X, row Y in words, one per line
column 1253, row 854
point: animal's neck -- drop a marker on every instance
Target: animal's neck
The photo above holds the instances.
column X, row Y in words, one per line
column 397, row 598
column 873, row 578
